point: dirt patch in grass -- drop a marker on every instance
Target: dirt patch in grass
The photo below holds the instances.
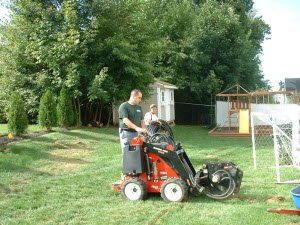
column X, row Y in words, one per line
column 67, row 157
column 250, row 199
column 61, row 145
column 211, row 156
column 276, row 199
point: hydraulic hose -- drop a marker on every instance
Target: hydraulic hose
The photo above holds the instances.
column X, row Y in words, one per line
column 229, row 190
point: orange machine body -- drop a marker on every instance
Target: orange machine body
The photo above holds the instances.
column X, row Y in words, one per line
column 159, row 173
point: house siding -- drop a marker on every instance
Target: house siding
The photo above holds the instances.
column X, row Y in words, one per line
column 145, row 104
column 172, row 112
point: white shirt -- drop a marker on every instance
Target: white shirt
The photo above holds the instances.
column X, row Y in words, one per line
column 150, row 116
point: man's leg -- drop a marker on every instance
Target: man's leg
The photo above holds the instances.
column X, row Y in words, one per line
column 125, row 139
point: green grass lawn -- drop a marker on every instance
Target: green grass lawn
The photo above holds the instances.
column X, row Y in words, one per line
column 65, row 178
column 31, row 129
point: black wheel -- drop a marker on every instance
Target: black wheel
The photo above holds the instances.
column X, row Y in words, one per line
column 134, row 189
column 174, row 190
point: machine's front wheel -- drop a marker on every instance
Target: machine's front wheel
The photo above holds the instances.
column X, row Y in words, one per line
column 134, row 189
column 174, row 190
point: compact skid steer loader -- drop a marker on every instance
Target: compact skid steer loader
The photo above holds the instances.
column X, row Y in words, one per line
column 156, row 165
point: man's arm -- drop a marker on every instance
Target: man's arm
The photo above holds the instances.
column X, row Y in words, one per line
column 147, row 118
column 135, row 127
column 143, row 124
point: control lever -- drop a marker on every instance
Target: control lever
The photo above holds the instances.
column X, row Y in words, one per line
column 178, row 146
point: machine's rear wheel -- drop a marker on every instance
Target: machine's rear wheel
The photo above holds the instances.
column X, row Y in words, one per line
column 134, row 189
column 174, row 190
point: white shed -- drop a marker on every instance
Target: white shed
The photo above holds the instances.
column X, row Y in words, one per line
column 162, row 95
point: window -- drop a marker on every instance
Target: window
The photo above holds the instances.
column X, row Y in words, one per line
column 171, row 93
column 162, row 96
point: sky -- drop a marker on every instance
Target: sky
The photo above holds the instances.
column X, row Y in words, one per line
column 281, row 54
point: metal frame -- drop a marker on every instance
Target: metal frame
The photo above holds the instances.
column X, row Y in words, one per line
column 294, row 140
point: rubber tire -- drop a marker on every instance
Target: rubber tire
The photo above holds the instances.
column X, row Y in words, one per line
column 137, row 183
column 179, row 183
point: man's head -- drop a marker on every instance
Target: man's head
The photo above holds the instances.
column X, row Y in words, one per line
column 153, row 108
column 135, row 97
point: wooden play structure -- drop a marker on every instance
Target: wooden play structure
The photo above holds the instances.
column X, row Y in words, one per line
column 238, row 109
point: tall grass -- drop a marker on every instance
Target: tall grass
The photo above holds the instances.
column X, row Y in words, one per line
column 65, row 178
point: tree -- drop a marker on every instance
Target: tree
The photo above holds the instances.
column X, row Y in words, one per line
column 55, row 44
column 3, row 103
column 47, row 112
column 281, row 85
column 223, row 37
column 48, row 45
column 17, row 117
column 65, row 111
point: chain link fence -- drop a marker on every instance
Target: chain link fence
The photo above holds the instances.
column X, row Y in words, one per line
column 194, row 114
column 275, row 139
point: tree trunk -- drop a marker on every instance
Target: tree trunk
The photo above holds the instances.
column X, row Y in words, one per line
column 66, row 126
column 90, row 112
column 96, row 113
column 79, row 114
column 109, row 114
column 86, row 113
column 76, row 112
column 100, row 112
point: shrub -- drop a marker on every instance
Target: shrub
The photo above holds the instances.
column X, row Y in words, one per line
column 2, row 113
column 47, row 111
column 65, row 111
column 17, row 117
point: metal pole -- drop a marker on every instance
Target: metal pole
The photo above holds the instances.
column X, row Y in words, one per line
column 295, row 133
column 253, row 141
column 276, row 149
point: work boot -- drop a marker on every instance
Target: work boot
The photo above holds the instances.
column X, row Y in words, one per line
column 123, row 176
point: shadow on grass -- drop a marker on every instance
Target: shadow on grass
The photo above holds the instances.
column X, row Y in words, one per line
column 108, row 131
column 63, row 159
column 10, row 167
column 202, row 198
column 93, row 138
column 43, row 139
column 81, row 136
column 198, row 162
column 34, row 152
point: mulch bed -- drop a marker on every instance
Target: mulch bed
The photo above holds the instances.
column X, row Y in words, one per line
column 4, row 140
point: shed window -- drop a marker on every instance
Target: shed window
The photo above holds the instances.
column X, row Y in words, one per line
column 162, row 96
column 171, row 93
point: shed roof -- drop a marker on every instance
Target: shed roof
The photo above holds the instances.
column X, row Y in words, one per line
column 165, row 84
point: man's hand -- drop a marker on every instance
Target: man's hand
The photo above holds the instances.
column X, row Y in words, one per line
column 141, row 130
column 154, row 121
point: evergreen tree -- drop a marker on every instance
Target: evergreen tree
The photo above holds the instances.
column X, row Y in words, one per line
column 65, row 109
column 47, row 112
column 17, row 118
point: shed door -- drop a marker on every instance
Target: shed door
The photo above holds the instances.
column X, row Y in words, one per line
column 168, row 105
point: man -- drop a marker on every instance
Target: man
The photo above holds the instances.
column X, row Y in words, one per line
column 131, row 118
column 150, row 117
